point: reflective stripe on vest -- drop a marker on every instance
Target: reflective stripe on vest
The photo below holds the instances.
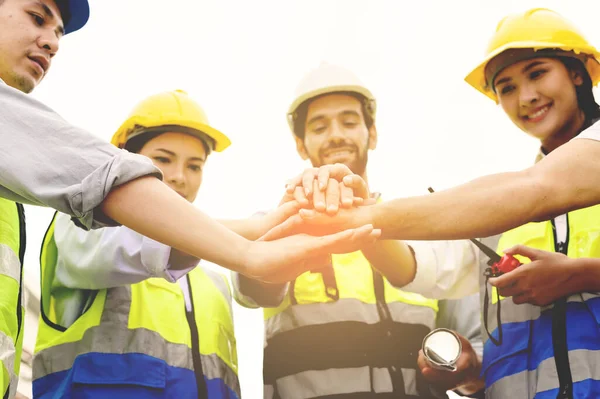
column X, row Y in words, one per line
column 137, row 337
column 12, row 247
column 318, row 346
column 524, row 365
column 355, row 380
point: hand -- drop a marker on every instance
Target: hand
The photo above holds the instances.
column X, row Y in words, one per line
column 320, row 184
column 547, row 278
column 284, row 211
column 286, row 258
column 309, row 221
column 468, row 367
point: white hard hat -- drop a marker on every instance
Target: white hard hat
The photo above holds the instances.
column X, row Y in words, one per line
column 328, row 78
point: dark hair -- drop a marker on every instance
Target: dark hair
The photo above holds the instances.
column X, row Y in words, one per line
column 135, row 144
column 585, row 95
column 302, row 112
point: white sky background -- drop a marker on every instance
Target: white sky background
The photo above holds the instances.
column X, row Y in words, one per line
column 242, row 61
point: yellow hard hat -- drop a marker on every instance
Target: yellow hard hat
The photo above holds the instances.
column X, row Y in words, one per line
column 328, row 78
column 536, row 29
column 169, row 109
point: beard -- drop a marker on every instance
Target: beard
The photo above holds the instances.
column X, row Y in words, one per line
column 358, row 164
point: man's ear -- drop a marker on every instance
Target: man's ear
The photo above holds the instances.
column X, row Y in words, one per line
column 372, row 137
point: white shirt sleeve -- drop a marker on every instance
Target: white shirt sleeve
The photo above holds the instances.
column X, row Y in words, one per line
column 110, row 257
column 445, row 269
column 592, row 133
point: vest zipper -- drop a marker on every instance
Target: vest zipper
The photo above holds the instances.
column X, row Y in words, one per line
column 559, row 329
column 196, row 358
column 22, row 244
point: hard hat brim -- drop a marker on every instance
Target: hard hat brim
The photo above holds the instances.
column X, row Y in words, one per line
column 476, row 78
column 326, row 90
column 221, row 140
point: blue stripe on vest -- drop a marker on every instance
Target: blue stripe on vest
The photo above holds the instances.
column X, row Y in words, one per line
column 132, row 375
column 514, row 355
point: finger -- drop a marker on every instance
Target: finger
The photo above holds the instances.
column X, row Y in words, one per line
column 293, row 183
column 510, row 291
column 286, row 198
column 323, row 177
column 357, row 201
column 358, row 185
column 521, row 297
column 506, row 280
column 308, row 178
column 339, row 171
column 288, row 227
column 318, row 198
column 300, row 196
column 286, row 210
column 528, row 252
column 360, row 239
column 332, row 196
column 421, row 361
column 342, row 242
column 369, row 201
column 346, row 196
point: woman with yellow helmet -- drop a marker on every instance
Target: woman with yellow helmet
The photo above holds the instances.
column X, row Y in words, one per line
column 126, row 316
column 541, row 71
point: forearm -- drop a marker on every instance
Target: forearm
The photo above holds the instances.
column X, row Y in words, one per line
column 586, row 272
column 565, row 180
column 152, row 209
column 480, row 208
column 247, row 228
column 393, row 259
column 263, row 294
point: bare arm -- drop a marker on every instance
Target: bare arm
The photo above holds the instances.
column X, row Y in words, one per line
column 567, row 179
column 394, row 260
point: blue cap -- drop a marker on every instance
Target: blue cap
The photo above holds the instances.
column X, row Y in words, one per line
column 75, row 14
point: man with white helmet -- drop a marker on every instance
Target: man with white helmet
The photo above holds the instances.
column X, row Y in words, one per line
column 343, row 329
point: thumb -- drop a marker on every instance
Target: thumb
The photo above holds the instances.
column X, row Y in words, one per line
column 284, row 211
column 358, row 185
column 284, row 229
column 528, row 252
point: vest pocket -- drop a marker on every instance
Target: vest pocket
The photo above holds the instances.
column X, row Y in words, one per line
column 104, row 375
column 509, row 358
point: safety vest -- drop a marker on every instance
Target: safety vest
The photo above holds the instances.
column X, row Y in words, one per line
column 523, row 365
column 12, row 311
column 138, row 340
column 344, row 329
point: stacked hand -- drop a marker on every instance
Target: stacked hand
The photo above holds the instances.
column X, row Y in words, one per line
column 331, row 196
column 332, row 199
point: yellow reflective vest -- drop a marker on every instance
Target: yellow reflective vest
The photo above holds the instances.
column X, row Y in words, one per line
column 524, row 364
column 12, row 311
column 344, row 329
column 140, row 340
